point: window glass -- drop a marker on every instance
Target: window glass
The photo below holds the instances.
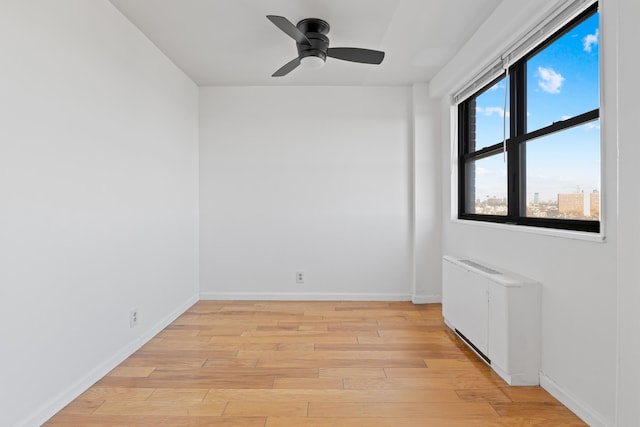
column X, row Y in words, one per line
column 563, row 174
column 487, row 186
column 563, row 78
column 553, row 152
column 489, row 117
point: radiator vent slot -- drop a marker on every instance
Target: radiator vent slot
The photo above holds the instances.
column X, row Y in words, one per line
column 473, row 347
column 480, row 266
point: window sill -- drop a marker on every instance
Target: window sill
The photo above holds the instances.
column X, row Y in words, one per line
column 552, row 232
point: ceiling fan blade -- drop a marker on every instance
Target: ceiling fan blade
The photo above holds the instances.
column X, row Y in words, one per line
column 354, row 54
column 288, row 28
column 287, row 68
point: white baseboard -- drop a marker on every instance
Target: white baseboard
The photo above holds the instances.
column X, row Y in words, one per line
column 426, row 299
column 66, row 396
column 302, row 296
column 588, row 415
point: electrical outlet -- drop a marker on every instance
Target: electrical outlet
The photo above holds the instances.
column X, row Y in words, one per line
column 133, row 317
column 299, row 276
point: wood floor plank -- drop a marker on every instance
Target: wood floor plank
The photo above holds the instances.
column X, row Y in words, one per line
column 416, row 383
column 333, row 395
column 354, row 422
column 167, row 408
column 309, row 364
column 418, row 349
column 413, row 359
column 117, row 393
column 418, row 422
column 309, row 383
column 154, row 421
column 260, row 382
column 531, row 409
column 132, row 371
column 226, row 364
column 159, row 360
column 483, row 373
column 217, row 344
column 260, row 408
column 351, row 373
column 402, row 409
column 493, row 395
column 426, row 340
column 82, row 407
column 341, row 363
column 467, row 363
column 235, row 373
column 179, row 394
column 278, row 339
column 311, row 333
column 297, row 347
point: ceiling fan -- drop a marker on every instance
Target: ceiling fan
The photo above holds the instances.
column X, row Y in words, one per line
column 313, row 46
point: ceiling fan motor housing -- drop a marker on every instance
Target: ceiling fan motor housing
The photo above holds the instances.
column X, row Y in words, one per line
column 313, row 48
column 315, row 29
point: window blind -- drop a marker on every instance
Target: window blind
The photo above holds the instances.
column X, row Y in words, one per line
column 563, row 13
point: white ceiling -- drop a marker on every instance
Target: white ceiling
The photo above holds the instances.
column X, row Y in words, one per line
column 231, row 42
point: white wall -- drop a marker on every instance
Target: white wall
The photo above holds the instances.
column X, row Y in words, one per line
column 315, row 179
column 578, row 276
column 98, row 198
column 629, row 201
column 427, row 198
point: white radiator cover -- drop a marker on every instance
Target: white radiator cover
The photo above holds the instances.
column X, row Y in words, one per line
column 498, row 312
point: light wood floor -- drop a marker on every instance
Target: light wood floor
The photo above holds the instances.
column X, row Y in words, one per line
column 303, row 364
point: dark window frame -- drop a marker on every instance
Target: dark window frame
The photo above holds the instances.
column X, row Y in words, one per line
column 516, row 154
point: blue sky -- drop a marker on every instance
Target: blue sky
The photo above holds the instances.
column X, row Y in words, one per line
column 562, row 82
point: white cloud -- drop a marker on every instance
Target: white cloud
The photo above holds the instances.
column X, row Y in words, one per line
column 550, row 80
column 592, row 126
column 490, row 111
column 565, row 117
column 480, row 171
column 590, row 40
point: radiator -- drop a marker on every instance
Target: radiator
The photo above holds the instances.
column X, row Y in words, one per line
column 497, row 314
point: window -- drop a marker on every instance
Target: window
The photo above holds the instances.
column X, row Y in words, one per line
column 529, row 141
